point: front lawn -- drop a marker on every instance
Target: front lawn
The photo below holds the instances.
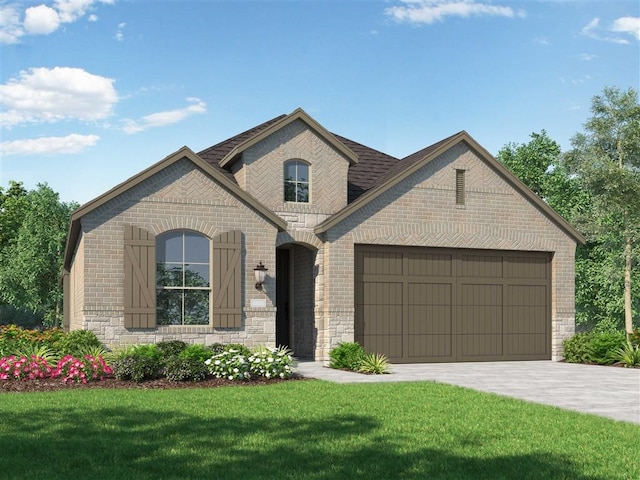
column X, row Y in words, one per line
column 306, row 430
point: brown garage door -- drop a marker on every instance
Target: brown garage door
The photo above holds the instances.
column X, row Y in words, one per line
column 440, row 305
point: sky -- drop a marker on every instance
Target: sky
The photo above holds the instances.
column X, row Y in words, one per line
column 94, row 91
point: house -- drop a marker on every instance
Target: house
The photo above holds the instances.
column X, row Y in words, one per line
column 441, row 256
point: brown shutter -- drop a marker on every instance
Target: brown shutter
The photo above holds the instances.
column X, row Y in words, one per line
column 227, row 280
column 139, row 278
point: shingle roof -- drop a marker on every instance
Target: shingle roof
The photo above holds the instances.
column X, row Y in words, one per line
column 214, row 154
column 372, row 164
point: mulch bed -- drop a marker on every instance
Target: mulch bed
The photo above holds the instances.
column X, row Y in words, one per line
column 55, row 384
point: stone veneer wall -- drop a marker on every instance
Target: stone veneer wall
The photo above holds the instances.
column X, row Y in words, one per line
column 421, row 210
column 179, row 197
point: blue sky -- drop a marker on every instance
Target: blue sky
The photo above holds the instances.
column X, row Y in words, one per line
column 94, row 91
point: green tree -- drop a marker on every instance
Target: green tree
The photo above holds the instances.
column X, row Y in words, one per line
column 606, row 162
column 32, row 253
column 538, row 164
column 13, row 204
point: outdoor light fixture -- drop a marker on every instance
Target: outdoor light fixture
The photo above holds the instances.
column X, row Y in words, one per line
column 260, row 272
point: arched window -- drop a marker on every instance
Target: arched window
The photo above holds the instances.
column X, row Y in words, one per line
column 296, row 181
column 183, row 272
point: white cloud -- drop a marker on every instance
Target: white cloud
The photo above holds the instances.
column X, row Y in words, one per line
column 630, row 25
column 10, row 26
column 70, row 144
column 92, row 18
column 50, row 95
column 120, row 33
column 430, row 11
column 43, row 19
column 593, row 30
column 165, row 118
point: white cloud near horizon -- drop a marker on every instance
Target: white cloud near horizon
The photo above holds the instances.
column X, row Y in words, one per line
column 41, row 95
column 168, row 117
column 42, row 19
column 70, row 144
column 623, row 25
column 430, row 11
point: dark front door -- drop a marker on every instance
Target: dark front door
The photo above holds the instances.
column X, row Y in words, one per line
column 283, row 323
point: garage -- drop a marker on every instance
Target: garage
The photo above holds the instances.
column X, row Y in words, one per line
column 418, row 305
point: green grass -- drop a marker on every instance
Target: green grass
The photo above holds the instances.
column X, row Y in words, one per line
column 306, row 430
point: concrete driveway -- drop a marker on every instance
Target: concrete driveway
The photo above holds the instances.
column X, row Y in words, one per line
column 606, row 391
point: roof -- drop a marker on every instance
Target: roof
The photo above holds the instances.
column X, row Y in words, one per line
column 184, row 152
column 370, row 174
column 404, row 168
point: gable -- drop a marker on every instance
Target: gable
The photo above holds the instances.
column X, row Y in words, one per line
column 261, row 172
column 487, row 176
column 168, row 180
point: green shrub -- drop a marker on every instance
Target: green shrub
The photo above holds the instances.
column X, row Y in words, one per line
column 141, row 362
column 216, row 348
column 347, row 355
column 171, row 348
column 197, row 352
column 593, row 347
column 185, row 369
column 628, row 355
column 374, row 363
column 77, row 342
column 237, row 348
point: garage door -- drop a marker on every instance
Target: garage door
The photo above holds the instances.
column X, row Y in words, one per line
column 441, row 305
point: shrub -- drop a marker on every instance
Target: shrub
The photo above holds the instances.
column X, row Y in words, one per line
column 197, row 351
column 40, row 351
column 593, row 347
column 24, row 368
column 216, row 348
column 237, row 348
column 270, row 362
column 374, row 363
column 347, row 355
column 262, row 362
column 139, row 363
column 77, row 342
column 628, row 355
column 185, row 369
column 171, row 348
column 84, row 370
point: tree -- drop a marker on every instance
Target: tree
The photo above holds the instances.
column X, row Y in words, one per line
column 32, row 253
column 538, row 164
column 13, row 204
column 606, row 162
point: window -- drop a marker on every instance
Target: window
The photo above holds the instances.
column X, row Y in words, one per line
column 296, row 181
column 182, row 279
column 460, row 188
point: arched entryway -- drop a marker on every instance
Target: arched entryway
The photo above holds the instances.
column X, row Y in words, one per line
column 295, row 299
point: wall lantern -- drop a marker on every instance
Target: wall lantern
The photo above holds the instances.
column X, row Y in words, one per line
column 260, row 272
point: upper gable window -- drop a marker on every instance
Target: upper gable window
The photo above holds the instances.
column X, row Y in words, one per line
column 296, row 181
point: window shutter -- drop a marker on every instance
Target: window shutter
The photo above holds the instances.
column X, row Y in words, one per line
column 227, row 280
column 139, row 278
